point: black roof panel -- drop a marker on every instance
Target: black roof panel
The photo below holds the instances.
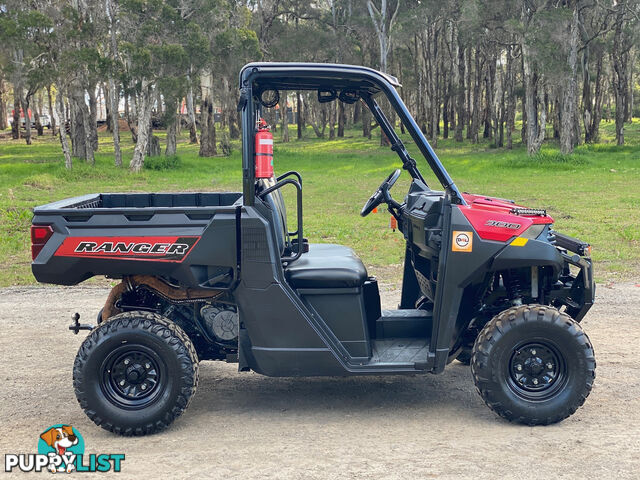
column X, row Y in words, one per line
column 314, row 76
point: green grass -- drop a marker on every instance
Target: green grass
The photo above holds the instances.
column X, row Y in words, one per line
column 593, row 194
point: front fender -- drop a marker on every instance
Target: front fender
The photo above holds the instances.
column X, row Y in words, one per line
column 534, row 253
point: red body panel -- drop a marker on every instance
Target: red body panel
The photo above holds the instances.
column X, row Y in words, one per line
column 492, row 220
column 157, row 249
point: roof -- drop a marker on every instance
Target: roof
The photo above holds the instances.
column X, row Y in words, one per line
column 314, row 76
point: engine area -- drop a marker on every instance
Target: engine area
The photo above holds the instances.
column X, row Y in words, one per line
column 211, row 323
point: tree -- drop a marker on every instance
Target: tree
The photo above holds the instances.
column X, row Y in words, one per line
column 114, row 89
column 626, row 19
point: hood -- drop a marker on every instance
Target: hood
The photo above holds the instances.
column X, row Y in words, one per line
column 499, row 219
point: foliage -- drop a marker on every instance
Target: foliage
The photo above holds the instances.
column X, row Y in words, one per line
column 163, row 163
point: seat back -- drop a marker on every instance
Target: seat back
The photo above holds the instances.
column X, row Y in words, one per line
column 275, row 202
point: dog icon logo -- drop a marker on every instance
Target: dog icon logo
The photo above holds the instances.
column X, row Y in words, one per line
column 62, row 443
column 61, row 449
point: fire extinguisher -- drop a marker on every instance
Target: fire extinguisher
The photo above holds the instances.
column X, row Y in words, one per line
column 264, row 150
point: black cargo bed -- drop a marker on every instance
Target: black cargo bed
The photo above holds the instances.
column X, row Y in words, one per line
column 189, row 238
column 143, row 200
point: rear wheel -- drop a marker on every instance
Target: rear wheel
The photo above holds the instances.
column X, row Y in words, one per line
column 533, row 364
column 135, row 373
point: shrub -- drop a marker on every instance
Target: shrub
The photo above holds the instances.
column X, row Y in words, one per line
column 162, row 163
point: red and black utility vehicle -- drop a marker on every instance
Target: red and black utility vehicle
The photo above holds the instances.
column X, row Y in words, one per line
column 223, row 276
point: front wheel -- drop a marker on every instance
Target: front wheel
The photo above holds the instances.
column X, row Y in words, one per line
column 533, row 365
column 135, row 373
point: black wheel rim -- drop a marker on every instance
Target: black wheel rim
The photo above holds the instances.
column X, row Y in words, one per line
column 537, row 370
column 133, row 376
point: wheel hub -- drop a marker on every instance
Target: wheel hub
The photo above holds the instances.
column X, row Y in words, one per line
column 534, row 367
column 132, row 376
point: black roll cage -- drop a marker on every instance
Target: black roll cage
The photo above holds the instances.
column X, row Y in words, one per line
column 257, row 77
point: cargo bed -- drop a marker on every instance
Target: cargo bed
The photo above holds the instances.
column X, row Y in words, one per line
column 187, row 237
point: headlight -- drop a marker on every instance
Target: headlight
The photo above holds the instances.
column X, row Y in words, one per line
column 533, row 231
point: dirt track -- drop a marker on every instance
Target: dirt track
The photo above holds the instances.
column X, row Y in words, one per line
column 248, row 426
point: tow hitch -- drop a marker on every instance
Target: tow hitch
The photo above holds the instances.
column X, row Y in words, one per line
column 76, row 326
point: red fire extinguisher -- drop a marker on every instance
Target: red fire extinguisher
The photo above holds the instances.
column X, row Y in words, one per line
column 264, row 150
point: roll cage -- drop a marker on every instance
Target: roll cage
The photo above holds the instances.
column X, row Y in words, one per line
column 366, row 83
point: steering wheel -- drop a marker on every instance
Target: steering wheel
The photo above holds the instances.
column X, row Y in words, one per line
column 382, row 194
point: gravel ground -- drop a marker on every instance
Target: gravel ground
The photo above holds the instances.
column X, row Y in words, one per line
column 249, row 426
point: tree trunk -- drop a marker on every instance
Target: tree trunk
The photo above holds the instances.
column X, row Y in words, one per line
column 592, row 121
column 357, row 112
column 313, row 120
column 234, row 130
column 3, row 105
column 284, row 116
column 172, row 129
column 114, row 97
column 477, row 84
column 17, row 108
column 193, row 136
column 459, row 74
column 620, row 54
column 93, row 117
column 144, row 123
column 570, row 91
column 366, row 122
column 37, row 111
column 53, row 118
column 171, row 139
column 62, row 130
column 18, row 95
column 533, row 96
column 629, row 101
column 341, row 119
column 299, row 120
column 106, row 92
column 487, row 115
column 132, row 118
column 468, row 90
column 27, row 118
column 511, row 98
column 332, row 120
column 153, row 146
column 497, row 106
column 207, row 119
column 81, row 129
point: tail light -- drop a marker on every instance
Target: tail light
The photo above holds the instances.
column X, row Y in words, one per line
column 40, row 235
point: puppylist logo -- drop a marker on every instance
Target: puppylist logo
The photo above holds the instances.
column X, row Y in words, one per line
column 61, row 449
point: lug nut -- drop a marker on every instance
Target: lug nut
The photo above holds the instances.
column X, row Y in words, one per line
column 148, row 366
column 122, row 383
column 549, row 365
column 535, row 381
column 533, row 351
column 144, row 386
column 126, row 361
column 519, row 367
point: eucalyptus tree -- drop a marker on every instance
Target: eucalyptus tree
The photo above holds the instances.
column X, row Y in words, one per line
column 156, row 46
column 22, row 29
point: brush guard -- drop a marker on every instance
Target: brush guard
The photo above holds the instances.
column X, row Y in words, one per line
column 577, row 292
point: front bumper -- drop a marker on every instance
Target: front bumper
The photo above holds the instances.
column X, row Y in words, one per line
column 576, row 290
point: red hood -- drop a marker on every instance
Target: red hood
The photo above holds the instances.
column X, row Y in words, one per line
column 492, row 218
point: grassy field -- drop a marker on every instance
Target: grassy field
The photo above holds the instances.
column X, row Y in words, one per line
column 593, row 194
